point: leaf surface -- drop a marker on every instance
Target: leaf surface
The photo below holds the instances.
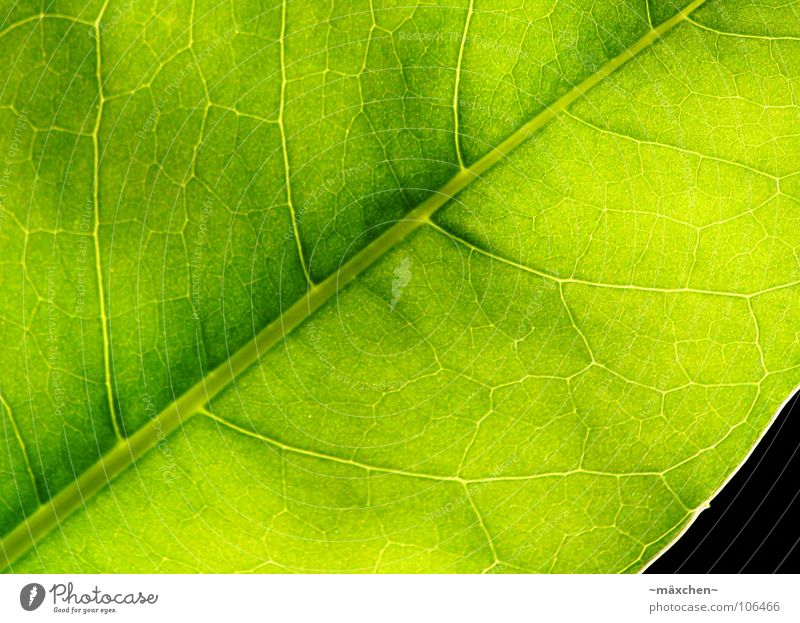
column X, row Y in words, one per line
column 508, row 286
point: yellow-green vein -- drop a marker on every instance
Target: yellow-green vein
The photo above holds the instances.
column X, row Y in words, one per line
column 49, row 515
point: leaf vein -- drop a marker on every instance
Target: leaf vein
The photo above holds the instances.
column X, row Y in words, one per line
column 120, row 457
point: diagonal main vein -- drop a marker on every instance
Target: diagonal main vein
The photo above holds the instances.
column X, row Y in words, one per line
column 116, row 460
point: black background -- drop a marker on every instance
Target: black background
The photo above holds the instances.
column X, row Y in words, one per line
column 753, row 525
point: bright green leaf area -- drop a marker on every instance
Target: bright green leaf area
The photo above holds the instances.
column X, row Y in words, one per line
column 517, row 282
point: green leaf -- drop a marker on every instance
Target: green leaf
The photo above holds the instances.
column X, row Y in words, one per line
column 508, row 286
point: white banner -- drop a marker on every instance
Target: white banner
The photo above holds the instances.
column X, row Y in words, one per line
column 399, row 599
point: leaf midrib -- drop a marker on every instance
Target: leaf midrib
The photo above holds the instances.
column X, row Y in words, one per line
column 121, row 456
